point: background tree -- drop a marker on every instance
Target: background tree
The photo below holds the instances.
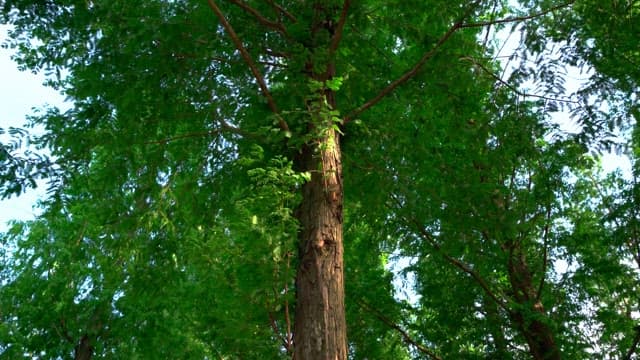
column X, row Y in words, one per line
column 200, row 205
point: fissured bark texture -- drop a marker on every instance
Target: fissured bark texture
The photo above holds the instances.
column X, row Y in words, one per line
column 320, row 325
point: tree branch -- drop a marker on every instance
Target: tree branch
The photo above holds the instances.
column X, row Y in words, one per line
column 287, row 316
column 457, row 263
column 337, row 36
column 413, row 71
column 283, row 11
column 634, row 345
column 517, row 18
column 405, row 336
column 483, row 284
column 183, row 136
column 252, row 66
column 462, row 266
column 545, row 255
column 261, row 19
column 276, row 332
column 513, row 88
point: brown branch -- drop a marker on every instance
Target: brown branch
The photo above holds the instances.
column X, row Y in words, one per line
column 634, row 345
column 283, row 11
column 82, row 232
column 545, row 254
column 413, row 71
column 462, row 266
column 252, row 66
column 65, row 333
column 517, row 18
column 483, row 284
column 337, row 36
column 405, row 335
column 276, row 332
column 183, row 136
column 261, row 19
column 457, row 263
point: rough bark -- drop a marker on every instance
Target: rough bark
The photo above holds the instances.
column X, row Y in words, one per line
column 84, row 349
column 529, row 317
column 320, row 330
column 320, row 325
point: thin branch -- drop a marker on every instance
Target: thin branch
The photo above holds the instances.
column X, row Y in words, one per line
column 287, row 316
column 457, row 263
column 64, row 334
column 545, row 254
column 488, row 30
column 82, row 232
column 183, row 136
column 261, row 19
column 276, row 332
column 483, row 284
column 337, row 36
column 224, row 127
column 252, row 66
column 462, row 266
column 517, row 18
column 513, row 88
column 283, row 11
column 405, row 336
column 413, row 71
column 634, row 345
column 278, row 54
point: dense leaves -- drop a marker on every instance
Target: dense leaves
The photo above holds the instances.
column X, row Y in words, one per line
column 207, row 138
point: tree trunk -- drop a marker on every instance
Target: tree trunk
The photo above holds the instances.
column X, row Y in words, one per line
column 495, row 321
column 320, row 325
column 320, row 329
column 530, row 317
column 84, row 349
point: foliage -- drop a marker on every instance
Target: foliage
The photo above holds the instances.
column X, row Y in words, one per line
column 172, row 226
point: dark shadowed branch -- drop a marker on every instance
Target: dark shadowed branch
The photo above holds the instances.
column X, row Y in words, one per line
column 405, row 335
column 335, row 41
column 517, row 18
column 261, row 18
column 413, row 71
column 252, row 66
column 283, row 11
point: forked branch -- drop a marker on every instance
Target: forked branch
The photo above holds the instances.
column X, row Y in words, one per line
column 405, row 335
column 283, row 11
column 261, row 18
column 466, row 268
column 335, row 41
column 252, row 66
column 413, row 71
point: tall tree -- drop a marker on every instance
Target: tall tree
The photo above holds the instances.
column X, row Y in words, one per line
column 215, row 150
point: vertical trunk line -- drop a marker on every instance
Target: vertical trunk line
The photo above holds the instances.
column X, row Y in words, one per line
column 320, row 325
column 84, row 349
column 320, row 330
column 537, row 333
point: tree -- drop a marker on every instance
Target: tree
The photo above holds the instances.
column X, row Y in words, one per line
column 21, row 170
column 215, row 150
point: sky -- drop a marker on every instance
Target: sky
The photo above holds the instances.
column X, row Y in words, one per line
column 20, row 92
